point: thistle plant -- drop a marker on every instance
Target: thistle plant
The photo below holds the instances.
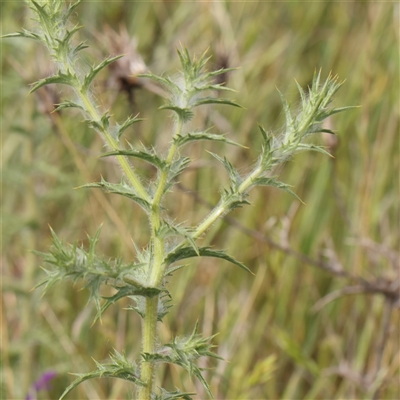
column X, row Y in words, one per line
column 143, row 280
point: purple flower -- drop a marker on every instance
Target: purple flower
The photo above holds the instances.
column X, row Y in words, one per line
column 43, row 383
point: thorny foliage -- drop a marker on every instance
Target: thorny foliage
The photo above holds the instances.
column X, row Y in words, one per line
column 193, row 87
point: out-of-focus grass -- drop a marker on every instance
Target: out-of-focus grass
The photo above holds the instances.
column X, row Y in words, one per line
column 277, row 346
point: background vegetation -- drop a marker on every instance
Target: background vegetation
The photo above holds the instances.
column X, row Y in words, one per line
column 320, row 319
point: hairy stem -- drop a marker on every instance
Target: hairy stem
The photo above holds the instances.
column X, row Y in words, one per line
column 149, row 337
column 149, row 340
column 223, row 206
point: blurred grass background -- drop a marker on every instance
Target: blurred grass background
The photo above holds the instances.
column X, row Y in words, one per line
column 281, row 340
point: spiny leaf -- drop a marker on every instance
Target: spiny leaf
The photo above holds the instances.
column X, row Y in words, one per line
column 340, row 109
column 65, row 41
column 210, row 86
column 24, row 33
column 140, row 307
column 288, row 115
column 126, row 124
column 165, row 395
column 327, row 131
column 167, row 229
column 185, row 114
column 122, row 189
column 95, row 70
column 71, row 9
column 119, row 367
column 181, row 140
column 184, row 352
column 233, row 173
column 175, row 268
column 164, row 305
column 79, row 47
column 165, row 81
column 73, row 262
column 143, row 155
column 100, row 125
column 316, row 79
column 263, row 181
column 68, row 104
column 192, row 67
column 264, row 134
column 233, row 198
column 176, row 168
column 126, row 291
column 213, row 100
column 302, row 95
column 188, row 252
column 42, row 13
column 65, row 79
column 219, row 72
column 312, row 147
column 265, row 157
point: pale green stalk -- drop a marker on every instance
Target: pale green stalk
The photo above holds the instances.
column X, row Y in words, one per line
column 149, row 331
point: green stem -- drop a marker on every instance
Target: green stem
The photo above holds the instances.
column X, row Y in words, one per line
column 149, row 331
column 149, row 340
column 157, row 271
column 223, row 207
